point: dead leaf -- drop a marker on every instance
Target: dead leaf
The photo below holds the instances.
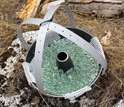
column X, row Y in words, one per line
column 106, row 39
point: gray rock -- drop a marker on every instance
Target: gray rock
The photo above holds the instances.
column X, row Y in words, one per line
column 120, row 104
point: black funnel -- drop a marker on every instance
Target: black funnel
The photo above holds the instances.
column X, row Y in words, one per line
column 64, row 61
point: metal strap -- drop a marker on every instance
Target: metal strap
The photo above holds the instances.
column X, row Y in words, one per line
column 33, row 21
column 28, row 73
column 96, row 43
column 38, row 57
column 22, row 40
column 72, row 96
column 51, row 8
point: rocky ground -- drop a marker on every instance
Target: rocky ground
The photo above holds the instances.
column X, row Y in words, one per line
column 14, row 90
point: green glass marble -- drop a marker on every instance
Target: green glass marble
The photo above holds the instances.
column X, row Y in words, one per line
column 58, row 83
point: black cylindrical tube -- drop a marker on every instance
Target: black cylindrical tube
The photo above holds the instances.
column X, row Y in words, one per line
column 64, row 61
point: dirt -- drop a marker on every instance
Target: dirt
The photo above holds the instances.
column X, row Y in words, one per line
column 108, row 89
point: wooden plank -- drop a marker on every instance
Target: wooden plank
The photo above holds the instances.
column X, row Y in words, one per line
column 29, row 10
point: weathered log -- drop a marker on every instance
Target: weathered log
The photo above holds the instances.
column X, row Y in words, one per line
column 104, row 8
column 98, row 1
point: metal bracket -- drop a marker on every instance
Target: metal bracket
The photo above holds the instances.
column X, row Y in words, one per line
column 72, row 96
column 28, row 73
